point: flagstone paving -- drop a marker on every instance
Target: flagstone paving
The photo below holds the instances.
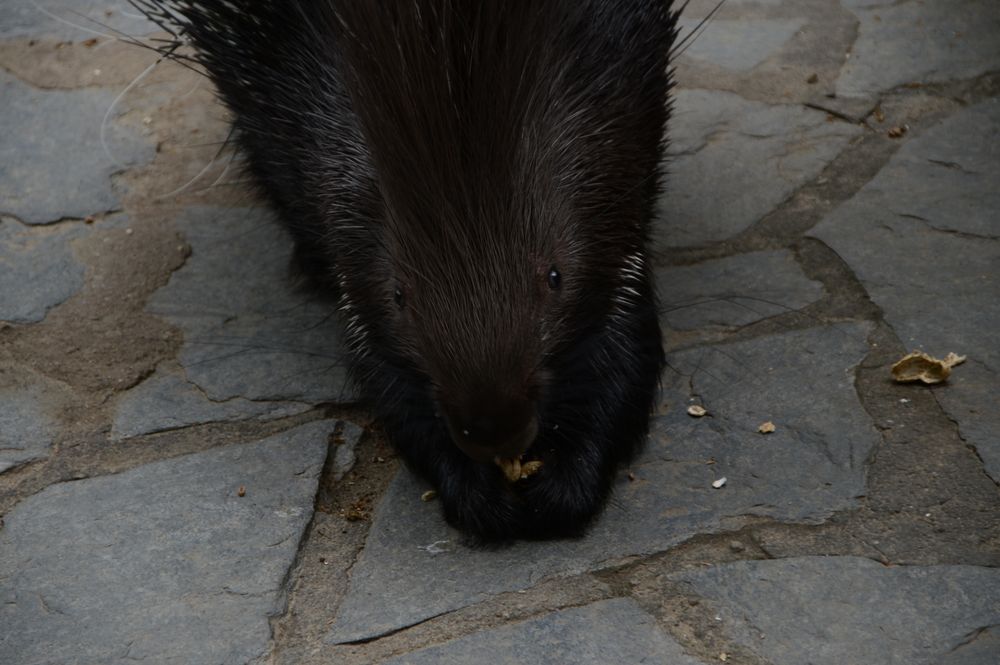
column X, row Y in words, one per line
column 186, row 477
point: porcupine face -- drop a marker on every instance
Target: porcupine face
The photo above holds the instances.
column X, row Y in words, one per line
column 516, row 157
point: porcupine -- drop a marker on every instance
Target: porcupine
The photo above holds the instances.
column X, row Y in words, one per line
column 474, row 183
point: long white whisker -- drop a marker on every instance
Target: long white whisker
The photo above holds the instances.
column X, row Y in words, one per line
column 70, row 23
column 107, row 114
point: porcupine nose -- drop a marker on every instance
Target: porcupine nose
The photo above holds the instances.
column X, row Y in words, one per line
column 490, row 427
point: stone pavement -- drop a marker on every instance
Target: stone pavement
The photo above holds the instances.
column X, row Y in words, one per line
column 185, row 477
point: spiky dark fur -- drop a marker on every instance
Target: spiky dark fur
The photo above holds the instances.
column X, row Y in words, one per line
column 434, row 160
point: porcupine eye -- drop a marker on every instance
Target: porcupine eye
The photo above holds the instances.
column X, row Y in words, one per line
column 554, row 278
column 399, row 297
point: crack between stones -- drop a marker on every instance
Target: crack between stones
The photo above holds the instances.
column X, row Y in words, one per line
column 952, row 232
column 287, row 585
column 971, row 637
column 969, row 446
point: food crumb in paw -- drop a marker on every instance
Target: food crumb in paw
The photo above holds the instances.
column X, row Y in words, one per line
column 530, row 468
column 766, row 428
column 918, row 366
column 429, row 495
column 242, row 491
column 719, row 483
column 697, row 410
column 513, row 469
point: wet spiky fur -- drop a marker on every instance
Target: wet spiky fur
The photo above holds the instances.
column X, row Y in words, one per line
column 436, row 161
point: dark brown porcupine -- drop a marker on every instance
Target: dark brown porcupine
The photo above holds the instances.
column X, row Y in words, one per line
column 474, row 182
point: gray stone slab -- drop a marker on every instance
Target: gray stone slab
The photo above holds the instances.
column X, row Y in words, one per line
column 836, row 610
column 414, row 566
column 29, row 418
column 924, row 238
column 739, row 45
column 52, row 162
column 37, row 269
column 345, row 451
column 163, row 563
column 732, row 161
column 247, row 332
column 167, row 401
column 609, row 631
column 70, row 19
column 919, row 42
column 734, row 291
column 979, row 648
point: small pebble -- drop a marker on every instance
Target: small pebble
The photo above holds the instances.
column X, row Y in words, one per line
column 737, row 546
column 719, row 483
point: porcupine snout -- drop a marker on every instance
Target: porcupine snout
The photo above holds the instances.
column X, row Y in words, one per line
column 486, row 426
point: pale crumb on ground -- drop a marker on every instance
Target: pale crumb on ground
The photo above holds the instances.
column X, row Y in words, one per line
column 429, row 495
column 719, row 483
column 696, row 410
column 766, row 428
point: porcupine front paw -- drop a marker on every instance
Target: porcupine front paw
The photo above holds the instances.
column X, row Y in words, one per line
column 556, row 502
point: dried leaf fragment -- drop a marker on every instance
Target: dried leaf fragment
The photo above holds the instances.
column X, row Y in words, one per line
column 242, row 491
column 766, row 428
column 697, row 410
column 918, row 366
column 429, row 495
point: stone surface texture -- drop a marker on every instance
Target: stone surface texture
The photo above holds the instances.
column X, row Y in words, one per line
column 187, row 476
column 42, row 127
column 121, row 568
column 29, row 419
column 732, row 161
column 70, row 19
column 37, row 272
column 923, row 238
column 834, row 610
column 734, row 291
column 930, row 42
column 248, row 333
column 610, row 631
column 166, row 401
